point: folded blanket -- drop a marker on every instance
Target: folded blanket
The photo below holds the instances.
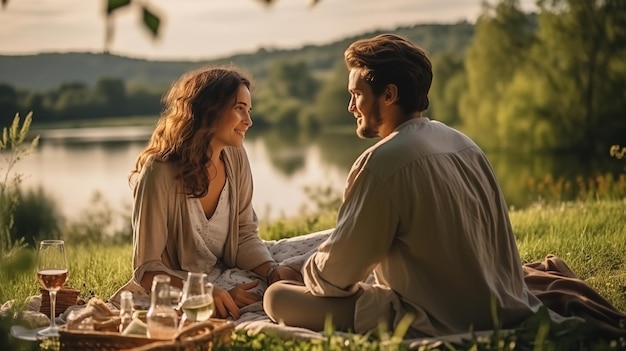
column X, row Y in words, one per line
column 554, row 283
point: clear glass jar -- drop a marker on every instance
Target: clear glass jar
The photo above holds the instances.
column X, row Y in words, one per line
column 161, row 318
column 126, row 309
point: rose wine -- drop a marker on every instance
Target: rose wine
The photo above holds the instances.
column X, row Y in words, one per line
column 52, row 279
column 198, row 308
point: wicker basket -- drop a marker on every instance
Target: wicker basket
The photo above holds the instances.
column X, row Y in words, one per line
column 198, row 336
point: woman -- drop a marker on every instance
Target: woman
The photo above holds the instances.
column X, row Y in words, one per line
column 193, row 191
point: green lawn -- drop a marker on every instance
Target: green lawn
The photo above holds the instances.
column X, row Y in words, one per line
column 590, row 236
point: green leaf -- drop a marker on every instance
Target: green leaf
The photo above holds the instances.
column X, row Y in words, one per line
column 152, row 21
column 403, row 327
column 113, row 5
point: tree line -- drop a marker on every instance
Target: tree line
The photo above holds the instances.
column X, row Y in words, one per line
column 551, row 82
column 285, row 98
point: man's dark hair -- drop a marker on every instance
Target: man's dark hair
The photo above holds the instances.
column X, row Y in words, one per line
column 390, row 59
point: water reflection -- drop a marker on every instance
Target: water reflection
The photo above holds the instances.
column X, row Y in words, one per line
column 286, row 151
column 95, row 135
column 71, row 166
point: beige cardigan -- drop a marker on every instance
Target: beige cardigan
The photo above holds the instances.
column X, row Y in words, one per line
column 162, row 239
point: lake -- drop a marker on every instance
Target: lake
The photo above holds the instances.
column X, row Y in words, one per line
column 72, row 165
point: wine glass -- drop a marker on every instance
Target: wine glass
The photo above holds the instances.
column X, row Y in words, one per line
column 52, row 273
column 197, row 298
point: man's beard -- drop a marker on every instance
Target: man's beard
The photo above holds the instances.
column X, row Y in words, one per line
column 370, row 126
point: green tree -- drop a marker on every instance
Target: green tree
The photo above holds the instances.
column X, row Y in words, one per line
column 520, row 128
column 286, row 95
column 112, row 90
column 112, row 94
column 503, row 36
column 143, row 102
column 581, row 71
column 331, row 102
column 34, row 101
column 449, row 83
column 8, row 102
column 73, row 100
column 292, row 79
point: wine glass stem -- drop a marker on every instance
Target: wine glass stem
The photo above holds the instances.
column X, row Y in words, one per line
column 53, row 302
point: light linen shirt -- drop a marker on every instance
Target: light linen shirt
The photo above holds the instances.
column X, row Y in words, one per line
column 423, row 209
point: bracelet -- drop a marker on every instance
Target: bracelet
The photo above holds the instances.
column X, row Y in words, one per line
column 270, row 271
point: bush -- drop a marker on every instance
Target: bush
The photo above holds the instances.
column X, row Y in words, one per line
column 13, row 149
column 36, row 217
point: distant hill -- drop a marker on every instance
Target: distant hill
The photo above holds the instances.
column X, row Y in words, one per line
column 45, row 71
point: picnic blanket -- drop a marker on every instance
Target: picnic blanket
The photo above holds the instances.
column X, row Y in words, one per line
column 554, row 283
column 291, row 252
column 551, row 280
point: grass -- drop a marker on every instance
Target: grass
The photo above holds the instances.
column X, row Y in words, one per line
column 588, row 235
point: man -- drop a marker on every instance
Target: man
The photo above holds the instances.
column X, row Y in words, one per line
column 422, row 209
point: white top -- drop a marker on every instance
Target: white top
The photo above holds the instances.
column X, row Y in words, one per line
column 210, row 234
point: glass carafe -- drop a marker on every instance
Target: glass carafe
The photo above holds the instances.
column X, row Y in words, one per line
column 126, row 309
column 162, row 318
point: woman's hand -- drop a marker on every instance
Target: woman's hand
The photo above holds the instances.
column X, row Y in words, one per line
column 242, row 296
column 227, row 303
column 284, row 273
column 225, row 306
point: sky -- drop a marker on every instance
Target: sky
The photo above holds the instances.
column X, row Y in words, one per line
column 209, row 29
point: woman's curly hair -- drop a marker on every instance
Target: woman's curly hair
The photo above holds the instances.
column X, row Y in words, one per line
column 191, row 107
